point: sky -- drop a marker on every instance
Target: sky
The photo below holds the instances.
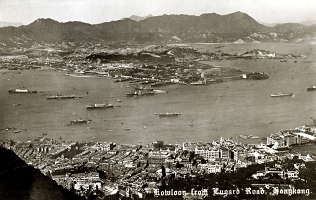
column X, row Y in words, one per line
column 98, row 11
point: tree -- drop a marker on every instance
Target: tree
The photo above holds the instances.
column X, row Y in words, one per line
column 194, row 162
column 191, row 156
column 203, row 161
column 147, row 164
column 159, row 144
column 163, row 171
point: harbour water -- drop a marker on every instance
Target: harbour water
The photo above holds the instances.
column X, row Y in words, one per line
column 228, row 109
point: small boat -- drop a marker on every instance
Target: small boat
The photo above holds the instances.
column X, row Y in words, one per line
column 168, row 114
column 191, row 124
column 77, row 75
column 9, row 128
column 283, row 60
column 243, row 136
column 119, row 100
column 17, row 131
column 131, row 93
column 270, row 122
column 311, row 88
column 199, row 83
column 99, row 105
column 17, row 104
column 253, row 137
column 281, row 94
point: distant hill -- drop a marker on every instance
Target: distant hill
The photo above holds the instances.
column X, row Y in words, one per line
column 138, row 18
column 21, row 181
column 305, row 23
column 308, row 23
column 15, row 24
column 210, row 27
column 268, row 24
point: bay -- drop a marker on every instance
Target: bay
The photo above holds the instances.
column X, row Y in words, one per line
column 227, row 109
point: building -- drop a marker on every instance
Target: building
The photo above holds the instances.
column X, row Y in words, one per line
column 220, row 152
column 288, row 138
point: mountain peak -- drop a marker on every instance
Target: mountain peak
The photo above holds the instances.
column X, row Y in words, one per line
column 45, row 21
column 238, row 14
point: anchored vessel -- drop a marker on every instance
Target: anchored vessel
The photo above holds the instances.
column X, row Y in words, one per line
column 22, row 91
column 61, row 97
column 311, row 88
column 248, row 136
column 281, row 94
column 80, row 121
column 140, row 93
column 144, row 88
column 99, row 105
column 168, row 114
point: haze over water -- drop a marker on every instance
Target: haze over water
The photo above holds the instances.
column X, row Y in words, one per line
column 227, row 109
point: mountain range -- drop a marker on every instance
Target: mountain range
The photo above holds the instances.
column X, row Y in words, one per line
column 213, row 28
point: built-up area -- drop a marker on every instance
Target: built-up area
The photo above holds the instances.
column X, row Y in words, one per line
column 160, row 65
column 109, row 167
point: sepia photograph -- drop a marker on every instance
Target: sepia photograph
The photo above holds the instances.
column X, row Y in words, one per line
column 157, row 99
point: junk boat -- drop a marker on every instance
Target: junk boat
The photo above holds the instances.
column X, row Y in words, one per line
column 22, row 91
column 168, row 114
column 282, row 94
column 99, row 105
column 61, row 97
column 311, row 88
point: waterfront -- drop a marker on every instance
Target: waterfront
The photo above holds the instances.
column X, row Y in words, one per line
column 227, row 109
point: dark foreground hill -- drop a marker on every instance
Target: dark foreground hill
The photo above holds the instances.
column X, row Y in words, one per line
column 21, row 181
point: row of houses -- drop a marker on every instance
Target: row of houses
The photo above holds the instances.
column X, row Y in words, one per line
column 290, row 174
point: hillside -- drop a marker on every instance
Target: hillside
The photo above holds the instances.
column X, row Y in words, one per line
column 21, row 181
column 209, row 27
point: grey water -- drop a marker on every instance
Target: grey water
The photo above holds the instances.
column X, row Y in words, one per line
column 226, row 110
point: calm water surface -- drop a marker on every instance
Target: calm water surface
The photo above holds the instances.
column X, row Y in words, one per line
column 228, row 109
